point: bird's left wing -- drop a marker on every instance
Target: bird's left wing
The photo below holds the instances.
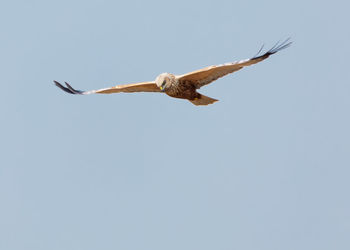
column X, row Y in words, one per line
column 209, row 74
column 127, row 88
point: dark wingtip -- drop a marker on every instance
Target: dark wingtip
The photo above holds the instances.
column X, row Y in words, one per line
column 68, row 89
column 277, row 47
column 78, row 92
column 280, row 46
column 62, row 87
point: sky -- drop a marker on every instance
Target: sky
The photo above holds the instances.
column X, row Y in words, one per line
column 266, row 167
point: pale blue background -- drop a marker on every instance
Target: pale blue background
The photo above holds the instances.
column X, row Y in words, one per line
column 267, row 167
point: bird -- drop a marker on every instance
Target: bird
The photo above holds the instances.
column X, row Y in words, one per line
column 184, row 86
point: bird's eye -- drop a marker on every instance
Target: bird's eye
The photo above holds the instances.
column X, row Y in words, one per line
column 164, row 82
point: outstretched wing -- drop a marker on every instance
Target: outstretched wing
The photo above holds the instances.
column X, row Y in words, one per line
column 209, row 74
column 128, row 88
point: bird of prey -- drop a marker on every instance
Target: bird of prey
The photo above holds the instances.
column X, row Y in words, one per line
column 184, row 86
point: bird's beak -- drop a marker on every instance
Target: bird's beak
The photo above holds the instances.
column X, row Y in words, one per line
column 161, row 88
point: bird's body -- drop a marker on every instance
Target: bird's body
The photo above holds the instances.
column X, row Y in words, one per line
column 183, row 86
column 178, row 88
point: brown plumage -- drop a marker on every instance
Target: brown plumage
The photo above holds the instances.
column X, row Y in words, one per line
column 183, row 86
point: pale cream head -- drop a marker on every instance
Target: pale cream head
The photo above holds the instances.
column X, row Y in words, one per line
column 163, row 81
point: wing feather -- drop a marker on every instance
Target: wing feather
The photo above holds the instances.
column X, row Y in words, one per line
column 209, row 74
column 126, row 88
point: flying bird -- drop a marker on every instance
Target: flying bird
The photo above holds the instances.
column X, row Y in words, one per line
column 183, row 86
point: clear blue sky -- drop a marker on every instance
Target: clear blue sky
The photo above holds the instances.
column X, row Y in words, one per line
column 266, row 167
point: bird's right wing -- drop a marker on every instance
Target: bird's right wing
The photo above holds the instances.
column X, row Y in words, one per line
column 127, row 88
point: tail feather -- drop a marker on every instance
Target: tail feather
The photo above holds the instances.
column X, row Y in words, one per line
column 203, row 100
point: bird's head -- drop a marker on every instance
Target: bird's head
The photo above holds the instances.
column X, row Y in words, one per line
column 164, row 81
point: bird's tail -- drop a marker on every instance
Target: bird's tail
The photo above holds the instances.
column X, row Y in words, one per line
column 203, row 100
